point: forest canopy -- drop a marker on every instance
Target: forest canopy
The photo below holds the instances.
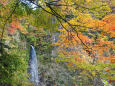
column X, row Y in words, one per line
column 74, row 41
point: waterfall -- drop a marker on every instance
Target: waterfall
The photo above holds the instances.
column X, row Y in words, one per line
column 33, row 67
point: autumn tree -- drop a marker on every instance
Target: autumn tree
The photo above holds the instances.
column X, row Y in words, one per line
column 86, row 33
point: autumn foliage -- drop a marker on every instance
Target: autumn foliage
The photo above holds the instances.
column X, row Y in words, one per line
column 86, row 35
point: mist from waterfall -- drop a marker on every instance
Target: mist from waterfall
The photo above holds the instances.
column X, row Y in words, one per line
column 33, row 67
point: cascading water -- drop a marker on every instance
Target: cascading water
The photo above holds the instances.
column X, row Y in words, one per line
column 33, row 67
